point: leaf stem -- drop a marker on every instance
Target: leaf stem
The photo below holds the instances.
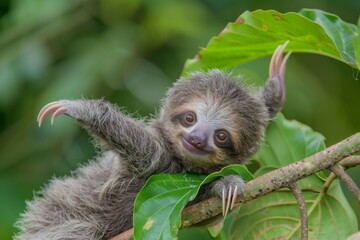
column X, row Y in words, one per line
column 326, row 186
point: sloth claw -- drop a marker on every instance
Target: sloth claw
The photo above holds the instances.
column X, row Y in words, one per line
column 234, row 197
column 228, row 188
column 278, row 63
column 54, row 107
column 277, row 69
column 59, row 111
column 228, row 201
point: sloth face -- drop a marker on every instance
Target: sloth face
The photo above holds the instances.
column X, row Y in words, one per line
column 205, row 134
column 213, row 121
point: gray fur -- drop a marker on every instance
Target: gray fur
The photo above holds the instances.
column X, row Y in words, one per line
column 230, row 181
column 96, row 202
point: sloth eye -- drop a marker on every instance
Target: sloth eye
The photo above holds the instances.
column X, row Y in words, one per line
column 222, row 139
column 221, row 136
column 188, row 119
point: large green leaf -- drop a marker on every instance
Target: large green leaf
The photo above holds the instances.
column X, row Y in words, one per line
column 257, row 34
column 276, row 215
column 357, row 43
column 158, row 206
column 340, row 32
column 287, row 142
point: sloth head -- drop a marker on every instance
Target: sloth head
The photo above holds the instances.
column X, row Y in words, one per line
column 212, row 121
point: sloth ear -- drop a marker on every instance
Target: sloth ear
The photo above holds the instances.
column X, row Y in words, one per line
column 273, row 92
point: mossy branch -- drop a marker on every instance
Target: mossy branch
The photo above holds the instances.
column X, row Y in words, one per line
column 272, row 181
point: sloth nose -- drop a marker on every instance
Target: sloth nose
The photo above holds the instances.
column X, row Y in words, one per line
column 198, row 139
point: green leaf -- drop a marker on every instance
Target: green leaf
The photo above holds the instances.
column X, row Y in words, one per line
column 297, row 141
column 357, row 43
column 342, row 33
column 276, row 215
column 287, row 142
column 257, row 34
column 215, row 229
column 158, row 206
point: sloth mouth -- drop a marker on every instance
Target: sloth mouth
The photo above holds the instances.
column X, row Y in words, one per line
column 192, row 149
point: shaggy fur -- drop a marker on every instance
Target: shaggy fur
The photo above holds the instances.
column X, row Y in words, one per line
column 97, row 201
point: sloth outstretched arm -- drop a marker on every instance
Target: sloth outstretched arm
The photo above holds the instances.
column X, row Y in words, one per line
column 133, row 140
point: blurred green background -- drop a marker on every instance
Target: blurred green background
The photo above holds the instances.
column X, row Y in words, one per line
column 130, row 52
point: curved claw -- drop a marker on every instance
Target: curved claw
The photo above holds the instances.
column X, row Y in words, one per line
column 44, row 108
column 278, row 63
column 223, row 198
column 228, row 201
column 59, row 111
column 234, row 197
column 277, row 70
column 53, row 107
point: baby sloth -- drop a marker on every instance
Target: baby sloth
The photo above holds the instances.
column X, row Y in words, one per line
column 207, row 121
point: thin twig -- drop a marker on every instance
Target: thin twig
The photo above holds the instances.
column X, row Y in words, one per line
column 349, row 183
column 302, row 206
column 318, row 199
column 351, row 161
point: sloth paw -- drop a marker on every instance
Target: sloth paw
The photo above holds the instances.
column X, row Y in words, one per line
column 54, row 107
column 277, row 70
column 228, row 188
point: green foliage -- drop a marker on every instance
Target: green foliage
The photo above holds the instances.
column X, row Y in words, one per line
column 257, row 34
column 158, row 206
column 276, row 215
column 297, row 141
column 129, row 52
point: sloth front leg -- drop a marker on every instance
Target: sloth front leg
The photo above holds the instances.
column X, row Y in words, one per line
column 228, row 188
column 130, row 138
column 87, row 112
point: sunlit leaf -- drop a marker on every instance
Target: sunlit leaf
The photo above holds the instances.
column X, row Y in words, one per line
column 257, row 34
column 158, row 206
column 342, row 33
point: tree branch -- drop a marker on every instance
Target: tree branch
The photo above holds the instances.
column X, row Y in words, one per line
column 350, row 161
column 272, row 181
column 276, row 179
